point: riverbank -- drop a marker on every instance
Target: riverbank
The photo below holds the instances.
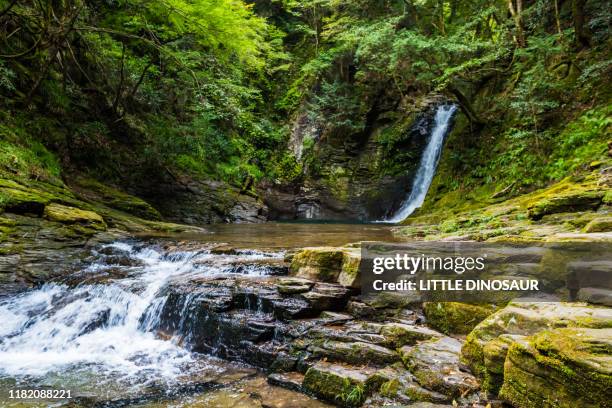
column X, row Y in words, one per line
column 166, row 321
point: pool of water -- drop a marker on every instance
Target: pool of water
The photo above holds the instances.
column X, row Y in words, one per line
column 291, row 235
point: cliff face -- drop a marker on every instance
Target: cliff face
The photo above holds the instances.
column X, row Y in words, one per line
column 350, row 175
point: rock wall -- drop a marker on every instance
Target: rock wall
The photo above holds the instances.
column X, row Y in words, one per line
column 351, row 175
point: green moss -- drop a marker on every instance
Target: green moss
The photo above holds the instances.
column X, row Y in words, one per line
column 70, row 215
column 335, row 384
column 99, row 193
column 455, row 317
column 568, row 202
column 322, row 264
column 562, row 368
column 600, row 224
column 22, row 157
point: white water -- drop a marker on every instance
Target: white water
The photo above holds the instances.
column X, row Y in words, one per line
column 428, row 165
column 100, row 329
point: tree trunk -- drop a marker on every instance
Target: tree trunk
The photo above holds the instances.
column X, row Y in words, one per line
column 583, row 36
column 516, row 13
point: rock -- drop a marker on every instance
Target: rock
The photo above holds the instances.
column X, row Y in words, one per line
column 399, row 384
column 435, row 365
column 455, row 317
column 595, row 295
column 595, row 274
column 292, row 308
column 320, row 264
column 93, row 190
column 566, row 202
column 360, row 310
column 495, row 353
column 290, row 286
column 528, row 318
column 397, row 335
column 71, row 215
column 350, row 275
column 356, row 353
column 601, row 224
column 569, row 367
column 334, row 317
column 328, row 264
column 336, row 383
column 325, row 296
column 284, row 362
column 248, row 209
column 292, row 381
column 19, row 199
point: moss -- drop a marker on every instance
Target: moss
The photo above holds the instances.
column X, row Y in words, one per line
column 398, row 335
column 322, row 264
column 455, row 317
column 569, row 202
column 350, row 273
column 561, row 368
column 600, row 224
column 22, row 201
column 335, row 384
column 70, row 215
column 95, row 191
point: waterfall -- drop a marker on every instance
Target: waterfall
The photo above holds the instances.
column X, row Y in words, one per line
column 427, row 167
column 101, row 330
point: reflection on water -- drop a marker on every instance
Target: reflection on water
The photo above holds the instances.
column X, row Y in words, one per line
column 292, row 235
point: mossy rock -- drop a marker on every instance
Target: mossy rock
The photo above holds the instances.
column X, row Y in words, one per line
column 526, row 319
column 350, row 275
column 357, row 353
column 327, row 264
column 398, row 335
column 71, row 215
column 455, row 317
column 336, row 383
column 495, row 353
column 436, row 367
column 565, row 368
column 600, row 224
column 95, row 191
column 566, row 202
column 22, row 201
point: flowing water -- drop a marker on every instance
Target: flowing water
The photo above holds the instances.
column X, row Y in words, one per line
column 428, row 164
column 93, row 333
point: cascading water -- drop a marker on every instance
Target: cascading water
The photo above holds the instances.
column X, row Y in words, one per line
column 427, row 167
column 101, row 332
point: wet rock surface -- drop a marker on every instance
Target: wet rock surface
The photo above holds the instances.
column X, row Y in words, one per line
column 318, row 338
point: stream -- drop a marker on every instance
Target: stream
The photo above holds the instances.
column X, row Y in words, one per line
column 97, row 331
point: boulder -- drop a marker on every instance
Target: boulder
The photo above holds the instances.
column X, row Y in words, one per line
column 455, row 317
column 436, row 367
column 568, row 367
column 328, row 264
column 398, row 384
column 336, row 383
column 528, row 318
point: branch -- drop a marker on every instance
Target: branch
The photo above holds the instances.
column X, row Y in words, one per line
column 6, row 10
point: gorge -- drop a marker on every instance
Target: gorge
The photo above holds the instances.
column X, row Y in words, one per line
column 189, row 190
